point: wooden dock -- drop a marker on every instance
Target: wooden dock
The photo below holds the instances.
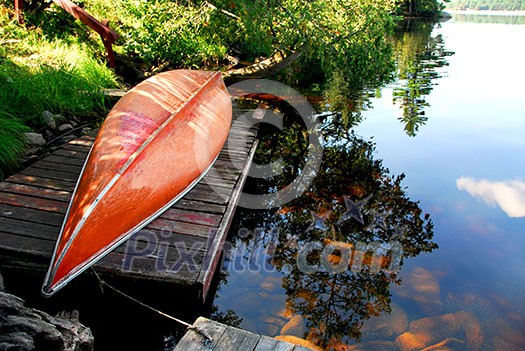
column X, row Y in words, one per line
column 226, row 338
column 182, row 246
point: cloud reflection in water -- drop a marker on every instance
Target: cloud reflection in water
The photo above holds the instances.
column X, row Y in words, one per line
column 509, row 195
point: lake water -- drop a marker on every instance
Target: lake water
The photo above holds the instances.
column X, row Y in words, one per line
column 464, row 164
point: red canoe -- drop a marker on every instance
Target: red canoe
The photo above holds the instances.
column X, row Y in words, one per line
column 156, row 143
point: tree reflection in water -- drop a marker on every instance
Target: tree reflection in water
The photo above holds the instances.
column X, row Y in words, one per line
column 419, row 55
column 354, row 210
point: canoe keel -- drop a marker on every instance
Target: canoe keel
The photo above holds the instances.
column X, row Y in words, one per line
column 157, row 142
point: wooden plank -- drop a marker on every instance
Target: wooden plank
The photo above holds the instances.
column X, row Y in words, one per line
column 29, row 229
column 194, row 217
column 25, row 246
column 33, row 202
column 200, row 206
column 227, row 338
column 85, row 140
column 76, row 147
column 211, row 261
column 64, row 160
column 266, row 344
column 194, row 341
column 46, row 164
column 51, row 174
column 237, row 339
column 42, row 182
column 31, row 215
column 23, row 189
column 70, row 153
column 181, row 227
column 301, row 348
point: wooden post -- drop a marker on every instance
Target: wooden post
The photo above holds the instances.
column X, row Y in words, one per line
column 19, row 15
column 109, row 50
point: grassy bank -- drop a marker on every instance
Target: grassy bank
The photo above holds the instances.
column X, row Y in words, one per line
column 41, row 72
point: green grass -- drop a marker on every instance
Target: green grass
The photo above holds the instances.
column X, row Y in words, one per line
column 38, row 73
column 11, row 143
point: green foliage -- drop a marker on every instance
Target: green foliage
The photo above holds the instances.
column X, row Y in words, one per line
column 421, row 8
column 39, row 73
column 494, row 5
column 12, row 143
column 182, row 34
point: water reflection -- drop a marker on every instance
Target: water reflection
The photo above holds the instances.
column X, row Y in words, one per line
column 492, row 18
column 418, row 57
column 508, row 195
column 326, row 261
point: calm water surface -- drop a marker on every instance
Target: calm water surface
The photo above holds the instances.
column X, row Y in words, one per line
column 466, row 167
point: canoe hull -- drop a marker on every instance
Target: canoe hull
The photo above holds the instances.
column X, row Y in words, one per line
column 155, row 144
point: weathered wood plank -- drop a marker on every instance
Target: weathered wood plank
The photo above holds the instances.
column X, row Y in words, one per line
column 29, row 229
column 185, row 203
column 65, row 160
column 24, row 189
column 194, row 217
column 237, row 339
column 181, row 227
column 211, row 261
column 76, row 147
column 46, row 164
column 33, row 202
column 27, row 246
column 42, row 182
column 31, row 215
column 51, row 174
column 71, row 153
column 226, row 338
column 266, row 344
column 194, row 341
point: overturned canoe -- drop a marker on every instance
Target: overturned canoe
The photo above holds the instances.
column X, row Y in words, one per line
column 157, row 142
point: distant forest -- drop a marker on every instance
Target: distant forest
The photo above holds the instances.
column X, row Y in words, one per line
column 495, row 5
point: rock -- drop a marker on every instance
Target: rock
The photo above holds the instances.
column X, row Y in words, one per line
column 386, row 325
column 409, row 342
column 296, row 326
column 50, row 119
column 272, row 325
column 376, row 345
column 25, row 328
column 422, row 287
column 432, row 330
column 250, row 300
column 66, row 127
column 298, row 341
column 277, row 306
column 271, row 284
column 35, row 139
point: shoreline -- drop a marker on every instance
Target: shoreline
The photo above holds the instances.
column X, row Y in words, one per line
column 485, row 12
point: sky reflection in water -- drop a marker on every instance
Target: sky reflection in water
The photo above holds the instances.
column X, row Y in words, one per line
column 466, row 166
